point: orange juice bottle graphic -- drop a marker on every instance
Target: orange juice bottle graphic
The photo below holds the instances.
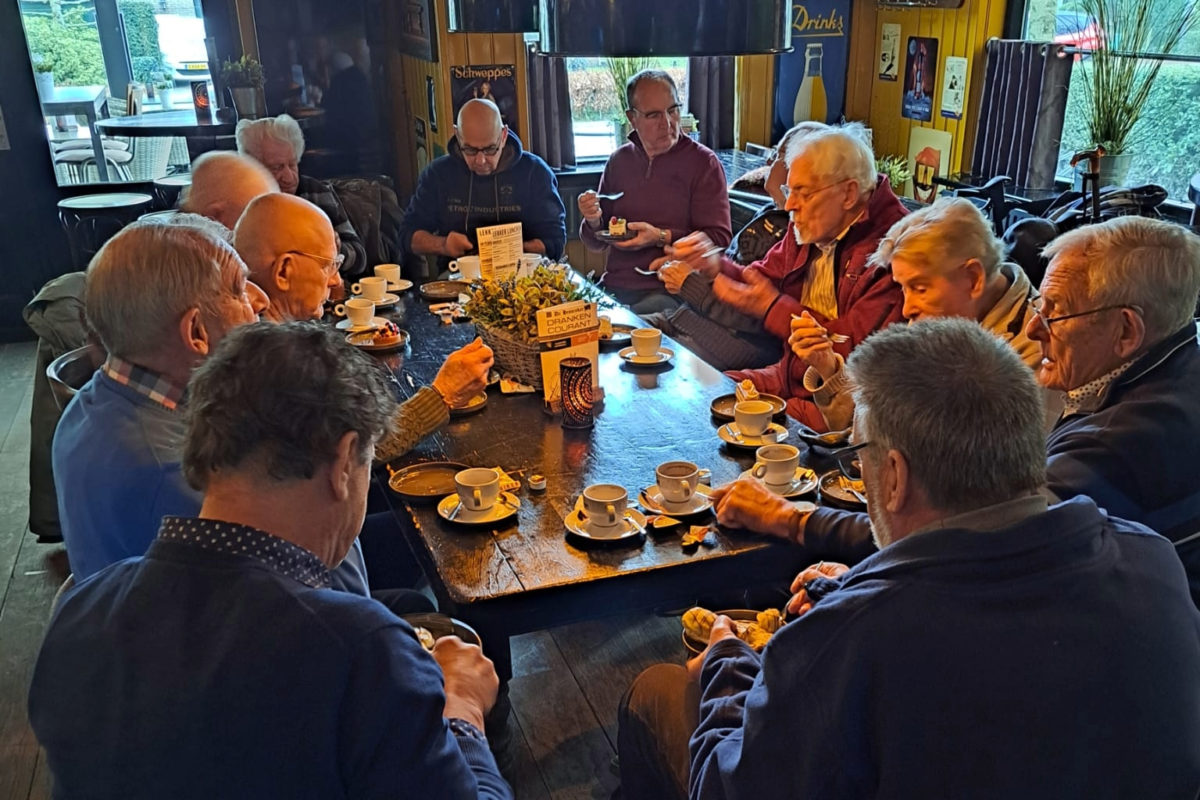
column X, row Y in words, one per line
column 810, row 100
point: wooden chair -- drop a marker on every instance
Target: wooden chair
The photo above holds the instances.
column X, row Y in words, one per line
column 70, row 371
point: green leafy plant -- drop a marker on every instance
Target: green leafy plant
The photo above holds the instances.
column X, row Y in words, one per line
column 43, row 65
column 1118, row 84
column 895, row 168
column 141, row 36
column 245, row 73
column 512, row 305
column 70, row 43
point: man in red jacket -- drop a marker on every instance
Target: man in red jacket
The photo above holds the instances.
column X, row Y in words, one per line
column 840, row 208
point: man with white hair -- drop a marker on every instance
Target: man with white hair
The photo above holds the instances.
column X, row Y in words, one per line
column 486, row 178
column 948, row 263
column 1115, row 326
column 977, row 654
column 278, row 144
column 840, row 208
column 223, row 184
column 160, row 298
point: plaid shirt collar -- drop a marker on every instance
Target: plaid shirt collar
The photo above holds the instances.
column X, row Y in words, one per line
column 157, row 387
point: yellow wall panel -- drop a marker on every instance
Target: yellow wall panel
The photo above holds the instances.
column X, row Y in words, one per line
column 755, row 82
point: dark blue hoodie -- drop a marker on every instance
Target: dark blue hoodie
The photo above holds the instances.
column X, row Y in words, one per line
column 450, row 197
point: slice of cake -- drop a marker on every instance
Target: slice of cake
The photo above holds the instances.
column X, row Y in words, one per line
column 389, row 334
column 616, row 226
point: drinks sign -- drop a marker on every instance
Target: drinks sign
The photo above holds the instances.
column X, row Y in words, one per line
column 810, row 81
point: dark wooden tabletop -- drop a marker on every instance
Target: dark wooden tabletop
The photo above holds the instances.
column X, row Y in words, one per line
column 527, row 573
column 181, row 122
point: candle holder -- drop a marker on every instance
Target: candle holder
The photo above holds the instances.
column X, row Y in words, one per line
column 575, row 379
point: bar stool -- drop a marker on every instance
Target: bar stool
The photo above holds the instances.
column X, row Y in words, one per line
column 168, row 188
column 90, row 220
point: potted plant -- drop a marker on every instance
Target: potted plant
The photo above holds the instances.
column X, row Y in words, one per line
column 43, row 76
column 896, row 169
column 1116, row 85
column 163, row 90
column 245, row 80
column 621, row 70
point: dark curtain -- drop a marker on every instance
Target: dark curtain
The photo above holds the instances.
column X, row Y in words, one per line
column 551, row 134
column 710, row 99
column 1021, row 112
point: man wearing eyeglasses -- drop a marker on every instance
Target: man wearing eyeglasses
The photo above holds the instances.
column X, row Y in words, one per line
column 487, row 178
column 669, row 186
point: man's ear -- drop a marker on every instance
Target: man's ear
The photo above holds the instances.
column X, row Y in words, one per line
column 345, row 463
column 973, row 269
column 1132, row 335
column 193, row 333
column 283, row 271
column 897, row 482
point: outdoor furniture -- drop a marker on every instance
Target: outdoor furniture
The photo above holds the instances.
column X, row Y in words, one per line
column 90, row 220
column 168, row 188
column 86, row 101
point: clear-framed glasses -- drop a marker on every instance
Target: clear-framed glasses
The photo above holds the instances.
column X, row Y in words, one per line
column 471, row 152
column 804, row 195
column 849, row 460
column 655, row 116
column 1038, row 306
column 328, row 265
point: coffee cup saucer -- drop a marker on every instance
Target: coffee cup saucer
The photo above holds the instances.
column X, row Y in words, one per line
column 729, row 433
column 402, row 285
column 630, row 356
column 651, row 499
column 633, row 524
column 804, row 480
column 388, row 299
column 347, row 325
column 450, row 508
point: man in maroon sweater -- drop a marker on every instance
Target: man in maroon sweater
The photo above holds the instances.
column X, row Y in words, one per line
column 671, row 186
column 840, row 208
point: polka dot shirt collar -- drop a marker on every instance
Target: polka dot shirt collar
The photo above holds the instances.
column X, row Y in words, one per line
column 283, row 557
column 1087, row 398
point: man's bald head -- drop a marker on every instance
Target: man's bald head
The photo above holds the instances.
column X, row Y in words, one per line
column 290, row 248
column 481, row 135
column 224, row 183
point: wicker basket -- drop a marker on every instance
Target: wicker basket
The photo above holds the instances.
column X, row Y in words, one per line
column 514, row 358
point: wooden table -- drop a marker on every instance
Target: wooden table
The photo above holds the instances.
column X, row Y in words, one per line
column 525, row 574
column 86, row 101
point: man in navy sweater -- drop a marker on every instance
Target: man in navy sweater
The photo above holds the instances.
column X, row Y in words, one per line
column 485, row 179
column 994, row 647
column 222, row 664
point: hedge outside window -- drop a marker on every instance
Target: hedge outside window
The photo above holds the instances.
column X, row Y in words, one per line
column 598, row 111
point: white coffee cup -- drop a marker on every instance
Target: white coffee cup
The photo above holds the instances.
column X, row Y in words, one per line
column 389, row 272
column 752, row 416
column 468, row 266
column 528, row 263
column 372, row 287
column 604, row 504
column 646, row 341
column 478, row 488
column 360, row 311
column 677, row 480
column 775, row 464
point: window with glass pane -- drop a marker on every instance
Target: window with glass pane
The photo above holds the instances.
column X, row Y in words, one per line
column 1166, row 141
column 161, row 52
column 598, row 98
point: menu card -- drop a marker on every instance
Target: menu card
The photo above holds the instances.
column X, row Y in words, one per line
column 570, row 329
column 500, row 249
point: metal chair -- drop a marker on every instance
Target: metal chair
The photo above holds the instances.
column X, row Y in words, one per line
column 70, row 371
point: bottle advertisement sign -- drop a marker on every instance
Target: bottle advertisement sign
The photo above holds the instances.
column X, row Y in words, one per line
column 810, row 81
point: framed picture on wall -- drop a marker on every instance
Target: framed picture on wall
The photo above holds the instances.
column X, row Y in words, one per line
column 418, row 33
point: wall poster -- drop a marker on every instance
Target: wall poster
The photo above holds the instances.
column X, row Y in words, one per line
column 810, row 81
column 954, row 87
column 928, row 157
column 421, row 141
column 416, row 36
column 920, row 68
column 495, row 82
column 889, row 52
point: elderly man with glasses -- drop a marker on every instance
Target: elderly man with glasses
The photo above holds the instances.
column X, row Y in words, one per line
column 487, row 178
column 977, row 654
column 664, row 184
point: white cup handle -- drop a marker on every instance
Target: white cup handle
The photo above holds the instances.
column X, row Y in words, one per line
column 454, row 266
column 340, row 310
column 687, row 489
column 611, row 511
column 759, row 470
column 356, row 288
column 476, row 498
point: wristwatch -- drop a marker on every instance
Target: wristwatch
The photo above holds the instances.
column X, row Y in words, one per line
column 662, row 237
column 460, row 727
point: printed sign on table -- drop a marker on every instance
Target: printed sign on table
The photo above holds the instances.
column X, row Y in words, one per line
column 920, row 68
column 499, row 250
column 570, row 329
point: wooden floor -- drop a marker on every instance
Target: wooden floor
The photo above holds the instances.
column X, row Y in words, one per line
column 566, row 685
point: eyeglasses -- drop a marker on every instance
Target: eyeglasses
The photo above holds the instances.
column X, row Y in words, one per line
column 328, row 265
column 849, row 461
column 655, row 116
column 804, row 195
column 1038, row 304
column 471, row 152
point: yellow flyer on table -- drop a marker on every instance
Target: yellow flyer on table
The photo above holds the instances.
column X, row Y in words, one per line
column 500, row 249
column 570, row 329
